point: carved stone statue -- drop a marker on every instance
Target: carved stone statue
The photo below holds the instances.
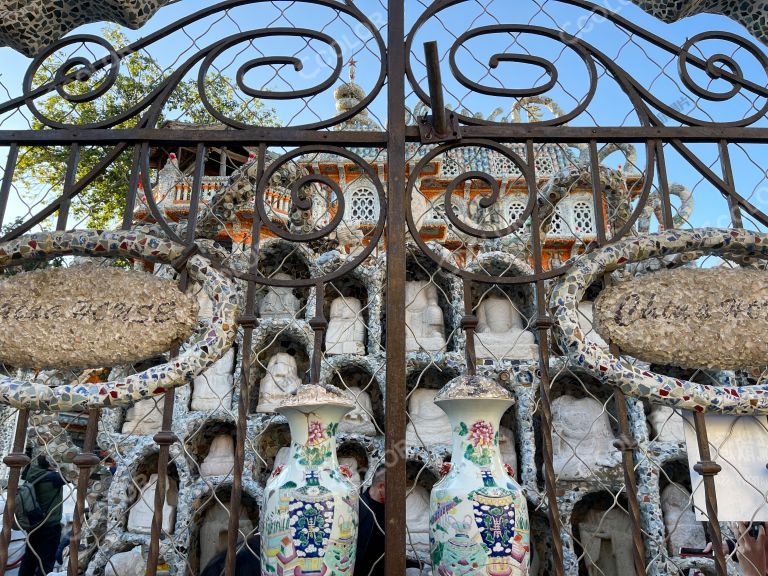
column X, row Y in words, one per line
column 221, row 457
column 280, row 381
column 428, row 425
column 606, row 537
column 279, row 302
column 683, row 531
column 507, row 448
column 500, row 332
column 140, row 515
column 352, row 465
column 423, row 317
column 213, row 388
column 417, row 521
column 582, row 441
column 130, row 563
column 214, row 531
column 346, row 329
column 667, row 425
column 358, row 420
column 144, row 417
column 586, row 323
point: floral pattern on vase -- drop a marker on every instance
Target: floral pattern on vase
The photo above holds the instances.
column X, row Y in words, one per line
column 310, row 512
column 478, row 513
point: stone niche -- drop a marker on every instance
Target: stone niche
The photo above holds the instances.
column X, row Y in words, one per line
column 212, row 527
column 281, row 365
column 268, row 445
column 502, row 331
column 428, row 426
column 419, row 486
column 584, row 429
column 141, row 511
column 345, row 306
column 213, row 449
column 603, row 535
column 430, row 314
column 281, row 259
column 367, row 417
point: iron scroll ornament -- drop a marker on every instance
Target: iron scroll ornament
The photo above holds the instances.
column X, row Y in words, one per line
column 207, row 344
column 718, row 67
column 528, row 172
column 81, row 68
column 618, row 372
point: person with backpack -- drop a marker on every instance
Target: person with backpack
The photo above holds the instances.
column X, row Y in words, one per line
column 38, row 513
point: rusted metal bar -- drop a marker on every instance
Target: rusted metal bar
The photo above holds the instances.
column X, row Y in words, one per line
column 435, row 82
column 133, row 185
column 5, row 188
column 245, row 381
column 543, row 324
column 666, row 204
column 16, row 460
column 319, row 324
column 394, row 554
column 85, row 461
column 627, row 444
column 69, row 182
column 725, row 162
column 165, row 438
column 708, row 470
column 469, row 324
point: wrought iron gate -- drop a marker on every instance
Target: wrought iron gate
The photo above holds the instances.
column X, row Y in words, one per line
column 412, row 188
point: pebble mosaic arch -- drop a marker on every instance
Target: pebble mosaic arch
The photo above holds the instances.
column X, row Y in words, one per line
column 753, row 14
column 632, row 380
column 31, row 25
column 207, row 344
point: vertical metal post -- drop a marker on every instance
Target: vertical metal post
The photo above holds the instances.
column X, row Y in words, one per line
column 16, row 460
column 626, row 443
column 85, row 461
column 725, row 162
column 435, row 82
column 69, row 182
column 708, row 470
column 319, row 324
column 140, row 151
column 469, row 323
column 248, row 321
column 543, row 324
column 5, row 189
column 666, row 205
column 165, row 438
column 395, row 307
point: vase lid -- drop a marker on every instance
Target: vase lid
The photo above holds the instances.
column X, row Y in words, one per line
column 473, row 388
column 317, row 395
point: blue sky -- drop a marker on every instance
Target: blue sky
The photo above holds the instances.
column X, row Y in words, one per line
column 652, row 67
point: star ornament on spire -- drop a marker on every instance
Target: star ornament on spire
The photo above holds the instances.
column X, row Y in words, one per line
column 352, row 68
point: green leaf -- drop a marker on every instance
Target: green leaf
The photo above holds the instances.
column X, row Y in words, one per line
column 463, row 430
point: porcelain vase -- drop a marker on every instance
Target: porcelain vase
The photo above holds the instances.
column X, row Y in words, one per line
column 478, row 513
column 310, row 513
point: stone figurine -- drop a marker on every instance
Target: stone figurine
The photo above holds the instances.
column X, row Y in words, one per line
column 582, row 439
column 279, row 382
column 346, row 329
column 428, row 425
column 667, row 425
column 417, row 521
column 683, row 531
column 423, row 318
column 221, row 457
column 140, row 515
column 130, row 563
column 359, row 420
column 606, row 537
column 279, row 302
column 213, row 388
column 144, row 417
column 500, row 333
